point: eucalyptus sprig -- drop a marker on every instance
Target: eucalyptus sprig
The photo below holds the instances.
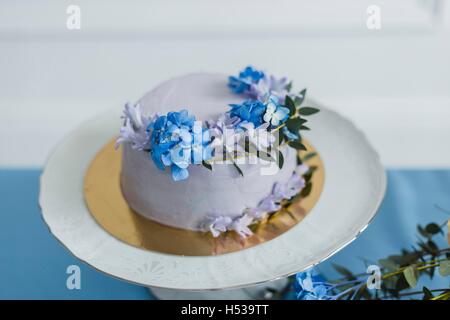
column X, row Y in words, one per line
column 399, row 273
column 296, row 122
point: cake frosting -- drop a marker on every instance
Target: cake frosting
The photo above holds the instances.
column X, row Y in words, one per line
column 222, row 192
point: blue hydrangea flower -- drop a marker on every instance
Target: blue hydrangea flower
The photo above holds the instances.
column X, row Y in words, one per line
column 177, row 141
column 250, row 111
column 247, row 77
column 309, row 285
column 289, row 134
column 275, row 113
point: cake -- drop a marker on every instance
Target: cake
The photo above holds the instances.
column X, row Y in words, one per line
column 180, row 171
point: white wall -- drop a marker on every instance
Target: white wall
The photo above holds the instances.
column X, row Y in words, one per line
column 394, row 82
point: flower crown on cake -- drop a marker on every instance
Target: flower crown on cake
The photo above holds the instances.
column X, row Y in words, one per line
column 270, row 116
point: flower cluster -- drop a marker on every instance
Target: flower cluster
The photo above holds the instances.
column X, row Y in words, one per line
column 271, row 203
column 309, row 285
column 266, row 98
column 257, row 86
column 177, row 140
column 258, row 112
column 245, row 80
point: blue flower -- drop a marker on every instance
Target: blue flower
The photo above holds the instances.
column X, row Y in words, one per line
column 247, row 77
column 275, row 113
column 309, row 285
column 289, row 134
column 250, row 110
column 177, row 141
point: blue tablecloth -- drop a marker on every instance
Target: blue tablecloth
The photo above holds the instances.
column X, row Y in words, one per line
column 33, row 264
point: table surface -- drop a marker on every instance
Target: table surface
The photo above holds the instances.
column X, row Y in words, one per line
column 33, row 264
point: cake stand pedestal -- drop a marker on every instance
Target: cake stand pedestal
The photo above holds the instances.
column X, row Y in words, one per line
column 263, row 291
column 354, row 187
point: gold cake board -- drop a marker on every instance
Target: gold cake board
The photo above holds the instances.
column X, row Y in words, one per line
column 107, row 205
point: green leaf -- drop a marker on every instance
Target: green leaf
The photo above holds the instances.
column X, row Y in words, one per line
column 433, row 246
column 305, row 128
column 290, row 104
column 306, row 191
column 265, row 156
column 427, row 295
column 307, row 111
column 288, row 87
column 207, row 165
column 422, row 231
column 280, row 159
column 344, row 271
column 237, row 168
column 294, row 124
column 433, row 228
column 309, row 156
column 410, row 276
column 388, row 264
column 300, row 98
column 297, row 145
column 444, row 268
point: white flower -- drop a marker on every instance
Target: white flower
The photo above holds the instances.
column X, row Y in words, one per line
column 240, row 225
column 302, row 169
column 268, row 86
column 219, row 225
column 134, row 129
column 275, row 114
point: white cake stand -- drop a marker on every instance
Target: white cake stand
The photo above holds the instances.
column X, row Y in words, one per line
column 354, row 187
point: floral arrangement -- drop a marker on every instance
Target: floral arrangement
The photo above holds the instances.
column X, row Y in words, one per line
column 269, row 116
column 397, row 275
column 282, row 195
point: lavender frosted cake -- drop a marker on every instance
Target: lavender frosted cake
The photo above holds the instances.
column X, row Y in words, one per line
column 208, row 152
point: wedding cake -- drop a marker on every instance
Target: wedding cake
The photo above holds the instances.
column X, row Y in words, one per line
column 208, row 152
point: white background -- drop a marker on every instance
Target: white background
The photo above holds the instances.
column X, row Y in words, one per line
column 394, row 82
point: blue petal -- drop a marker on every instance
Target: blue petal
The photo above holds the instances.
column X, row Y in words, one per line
column 185, row 136
column 174, row 117
column 179, row 173
column 289, row 134
column 156, row 157
column 160, row 122
column 282, row 113
column 181, row 156
column 166, row 159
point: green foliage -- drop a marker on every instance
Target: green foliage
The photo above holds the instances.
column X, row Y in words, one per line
column 297, row 144
column 444, row 268
column 410, row 275
column 307, row 111
column 280, row 159
column 238, row 169
column 207, row 165
column 401, row 272
column 309, row 156
column 294, row 124
column 290, row 104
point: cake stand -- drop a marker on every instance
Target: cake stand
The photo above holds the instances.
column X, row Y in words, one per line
column 354, row 187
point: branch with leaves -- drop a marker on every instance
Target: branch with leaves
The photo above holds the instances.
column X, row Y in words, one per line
column 399, row 274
